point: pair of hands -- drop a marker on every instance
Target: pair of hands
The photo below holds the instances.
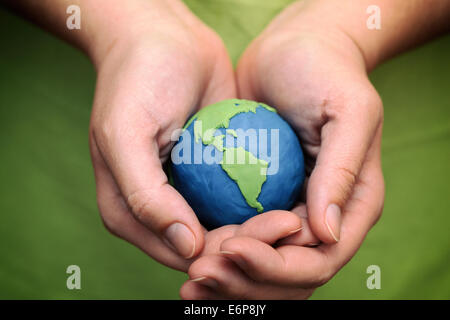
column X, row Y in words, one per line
column 166, row 65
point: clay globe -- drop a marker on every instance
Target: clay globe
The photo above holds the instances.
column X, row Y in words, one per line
column 236, row 159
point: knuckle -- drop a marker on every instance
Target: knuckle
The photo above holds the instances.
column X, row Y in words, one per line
column 104, row 130
column 348, row 175
column 379, row 210
column 113, row 212
column 379, row 196
column 346, row 179
column 372, row 103
column 140, row 204
column 378, row 216
column 375, row 107
column 103, row 133
column 325, row 111
column 110, row 225
column 320, row 278
column 124, row 127
column 110, row 221
column 366, row 104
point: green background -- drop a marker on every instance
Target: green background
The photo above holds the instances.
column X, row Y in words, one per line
column 49, row 218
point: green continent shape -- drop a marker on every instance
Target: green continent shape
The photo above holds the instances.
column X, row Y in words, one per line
column 218, row 142
column 249, row 176
column 218, row 115
column 232, row 132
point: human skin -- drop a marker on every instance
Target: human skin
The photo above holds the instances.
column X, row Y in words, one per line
column 312, row 62
column 157, row 64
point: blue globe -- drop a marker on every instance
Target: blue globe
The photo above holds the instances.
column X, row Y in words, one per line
column 224, row 189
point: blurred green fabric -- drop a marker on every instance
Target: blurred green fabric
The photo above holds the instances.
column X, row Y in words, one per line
column 49, row 219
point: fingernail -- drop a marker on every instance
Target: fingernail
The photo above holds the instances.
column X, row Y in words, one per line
column 295, row 231
column 312, row 244
column 198, row 279
column 333, row 221
column 206, row 281
column 235, row 257
column 182, row 239
column 227, row 252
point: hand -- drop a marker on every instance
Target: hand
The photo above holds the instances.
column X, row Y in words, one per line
column 215, row 276
column 315, row 75
column 157, row 63
column 161, row 66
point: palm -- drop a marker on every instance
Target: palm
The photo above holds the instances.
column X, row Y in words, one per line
column 324, row 93
column 144, row 92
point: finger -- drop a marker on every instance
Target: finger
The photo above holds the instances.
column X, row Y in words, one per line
column 120, row 222
column 214, row 238
column 363, row 210
column 130, row 151
column 195, row 291
column 226, row 279
column 270, row 226
column 304, row 238
column 345, row 140
column 312, row 267
column 217, row 272
column 290, row 266
column 267, row 227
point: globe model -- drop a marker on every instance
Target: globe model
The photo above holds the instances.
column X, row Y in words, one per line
column 236, row 159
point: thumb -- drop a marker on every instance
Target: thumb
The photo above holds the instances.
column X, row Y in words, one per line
column 131, row 154
column 346, row 138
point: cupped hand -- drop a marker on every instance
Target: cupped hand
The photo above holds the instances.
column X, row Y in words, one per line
column 161, row 66
column 316, row 77
column 220, row 274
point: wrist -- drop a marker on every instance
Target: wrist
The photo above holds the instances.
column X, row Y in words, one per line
column 350, row 21
column 336, row 26
column 111, row 23
column 401, row 25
